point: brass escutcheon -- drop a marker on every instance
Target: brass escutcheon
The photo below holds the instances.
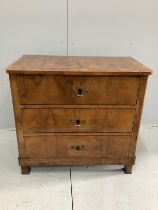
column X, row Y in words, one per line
column 78, row 147
column 78, row 122
column 80, row 91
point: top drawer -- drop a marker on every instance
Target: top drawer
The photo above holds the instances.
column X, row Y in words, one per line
column 47, row 89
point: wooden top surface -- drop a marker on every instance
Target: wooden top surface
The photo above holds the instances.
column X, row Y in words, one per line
column 77, row 65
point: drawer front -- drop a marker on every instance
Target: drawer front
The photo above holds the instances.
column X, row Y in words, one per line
column 76, row 146
column 78, row 120
column 42, row 89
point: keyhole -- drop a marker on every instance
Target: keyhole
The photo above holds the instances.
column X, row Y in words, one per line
column 77, row 147
column 79, row 91
column 78, row 122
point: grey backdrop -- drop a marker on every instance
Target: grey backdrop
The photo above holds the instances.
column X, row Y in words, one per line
column 79, row 27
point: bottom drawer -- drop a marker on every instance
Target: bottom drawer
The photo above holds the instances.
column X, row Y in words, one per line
column 49, row 146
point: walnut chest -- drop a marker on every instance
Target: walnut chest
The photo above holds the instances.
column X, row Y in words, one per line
column 77, row 110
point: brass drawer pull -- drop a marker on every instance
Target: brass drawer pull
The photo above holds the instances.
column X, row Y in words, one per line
column 78, row 122
column 80, row 91
column 78, row 147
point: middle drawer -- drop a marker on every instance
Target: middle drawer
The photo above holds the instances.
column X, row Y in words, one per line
column 78, row 120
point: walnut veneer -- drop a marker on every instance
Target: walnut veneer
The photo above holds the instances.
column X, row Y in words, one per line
column 77, row 110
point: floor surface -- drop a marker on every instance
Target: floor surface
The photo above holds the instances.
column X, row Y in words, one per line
column 93, row 188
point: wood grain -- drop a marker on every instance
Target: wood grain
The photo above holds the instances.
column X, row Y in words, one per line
column 60, row 120
column 17, row 115
column 67, row 146
column 82, row 106
column 47, row 93
column 43, row 89
column 77, row 161
column 77, row 65
column 138, row 113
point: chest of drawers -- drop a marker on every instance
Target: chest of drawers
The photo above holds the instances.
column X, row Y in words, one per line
column 77, row 110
